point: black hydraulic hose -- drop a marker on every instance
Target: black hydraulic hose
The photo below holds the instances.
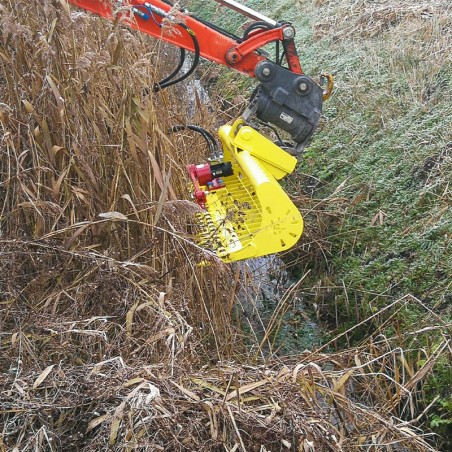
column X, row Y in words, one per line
column 275, row 131
column 206, row 22
column 285, row 145
column 216, row 28
column 165, row 83
column 278, row 56
column 176, row 70
column 255, row 26
column 211, row 142
column 266, row 26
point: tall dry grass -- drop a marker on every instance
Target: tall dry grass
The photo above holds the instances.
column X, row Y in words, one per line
column 92, row 186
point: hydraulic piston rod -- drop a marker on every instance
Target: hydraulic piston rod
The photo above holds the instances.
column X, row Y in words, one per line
column 245, row 11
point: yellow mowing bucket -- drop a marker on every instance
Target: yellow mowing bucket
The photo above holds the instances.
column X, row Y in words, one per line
column 245, row 213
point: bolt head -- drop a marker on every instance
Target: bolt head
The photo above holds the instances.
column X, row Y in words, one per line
column 303, row 86
column 246, row 133
column 289, row 32
column 266, row 71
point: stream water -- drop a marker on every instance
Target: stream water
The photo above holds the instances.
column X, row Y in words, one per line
column 194, row 90
column 272, row 304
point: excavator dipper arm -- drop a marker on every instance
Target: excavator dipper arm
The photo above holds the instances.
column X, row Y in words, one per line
column 149, row 17
column 285, row 97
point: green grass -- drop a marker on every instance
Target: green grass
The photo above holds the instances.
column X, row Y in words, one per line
column 391, row 145
column 387, row 134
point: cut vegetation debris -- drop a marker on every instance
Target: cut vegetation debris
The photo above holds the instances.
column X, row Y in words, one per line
column 94, row 356
column 109, row 336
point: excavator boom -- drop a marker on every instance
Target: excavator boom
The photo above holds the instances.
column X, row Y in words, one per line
column 149, row 17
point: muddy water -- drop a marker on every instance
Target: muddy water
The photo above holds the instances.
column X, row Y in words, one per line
column 272, row 300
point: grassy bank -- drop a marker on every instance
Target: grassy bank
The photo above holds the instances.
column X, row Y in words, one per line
column 383, row 161
column 386, row 143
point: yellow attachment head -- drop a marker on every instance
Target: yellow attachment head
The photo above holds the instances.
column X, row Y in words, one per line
column 250, row 215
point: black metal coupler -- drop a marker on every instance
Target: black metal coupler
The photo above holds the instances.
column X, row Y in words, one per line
column 292, row 102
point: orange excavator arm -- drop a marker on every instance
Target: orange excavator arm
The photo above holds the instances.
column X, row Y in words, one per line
column 214, row 44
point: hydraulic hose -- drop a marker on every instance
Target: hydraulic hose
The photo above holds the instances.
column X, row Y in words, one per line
column 169, row 81
column 211, row 142
column 176, row 70
column 255, row 26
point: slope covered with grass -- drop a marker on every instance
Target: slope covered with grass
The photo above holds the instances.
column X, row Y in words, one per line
column 381, row 168
column 387, row 144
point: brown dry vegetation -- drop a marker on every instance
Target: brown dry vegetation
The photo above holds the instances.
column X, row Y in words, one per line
column 372, row 18
column 110, row 335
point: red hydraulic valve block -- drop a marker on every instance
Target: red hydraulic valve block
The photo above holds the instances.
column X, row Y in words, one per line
column 206, row 177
